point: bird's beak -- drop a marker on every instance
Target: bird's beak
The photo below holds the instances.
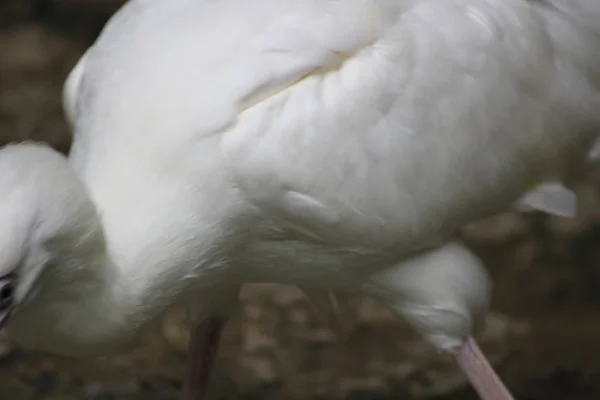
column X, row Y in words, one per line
column 7, row 284
column 4, row 317
column 480, row 372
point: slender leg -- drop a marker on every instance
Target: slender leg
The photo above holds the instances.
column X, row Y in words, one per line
column 480, row 373
column 204, row 343
column 333, row 309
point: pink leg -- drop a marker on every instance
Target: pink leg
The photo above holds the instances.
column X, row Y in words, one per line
column 480, row 373
column 204, row 343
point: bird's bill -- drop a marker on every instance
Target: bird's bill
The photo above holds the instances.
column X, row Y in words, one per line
column 203, row 346
column 4, row 317
column 480, row 372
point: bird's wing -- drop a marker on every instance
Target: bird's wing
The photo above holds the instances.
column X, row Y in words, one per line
column 71, row 91
column 295, row 86
column 347, row 122
column 355, row 131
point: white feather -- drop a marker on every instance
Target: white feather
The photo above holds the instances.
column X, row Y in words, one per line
column 329, row 144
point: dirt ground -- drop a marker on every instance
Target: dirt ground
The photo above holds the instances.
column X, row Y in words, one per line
column 543, row 333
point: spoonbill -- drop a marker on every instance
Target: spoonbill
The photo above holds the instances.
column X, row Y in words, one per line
column 333, row 145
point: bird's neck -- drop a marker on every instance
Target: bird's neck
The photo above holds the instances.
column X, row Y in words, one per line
column 82, row 302
column 87, row 298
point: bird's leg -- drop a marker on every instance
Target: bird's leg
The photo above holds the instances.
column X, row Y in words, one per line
column 333, row 309
column 480, row 373
column 208, row 320
column 203, row 346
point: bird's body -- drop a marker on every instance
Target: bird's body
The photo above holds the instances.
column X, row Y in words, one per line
column 328, row 144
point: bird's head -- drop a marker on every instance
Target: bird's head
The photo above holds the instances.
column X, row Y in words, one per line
column 36, row 205
column 51, row 248
column 20, row 268
column 444, row 293
column 22, row 256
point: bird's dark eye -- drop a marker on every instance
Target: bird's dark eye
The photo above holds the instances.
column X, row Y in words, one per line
column 6, row 293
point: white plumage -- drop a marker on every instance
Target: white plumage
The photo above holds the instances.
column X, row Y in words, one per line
column 328, row 144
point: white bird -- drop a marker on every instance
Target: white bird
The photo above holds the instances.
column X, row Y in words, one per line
column 334, row 145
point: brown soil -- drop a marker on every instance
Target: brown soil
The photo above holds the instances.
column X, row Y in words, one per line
column 543, row 332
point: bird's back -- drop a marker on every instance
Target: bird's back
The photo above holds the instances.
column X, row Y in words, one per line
column 372, row 124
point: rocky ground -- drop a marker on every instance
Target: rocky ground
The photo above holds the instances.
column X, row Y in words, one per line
column 542, row 334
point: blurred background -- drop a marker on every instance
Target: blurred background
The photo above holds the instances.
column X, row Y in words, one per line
column 543, row 333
